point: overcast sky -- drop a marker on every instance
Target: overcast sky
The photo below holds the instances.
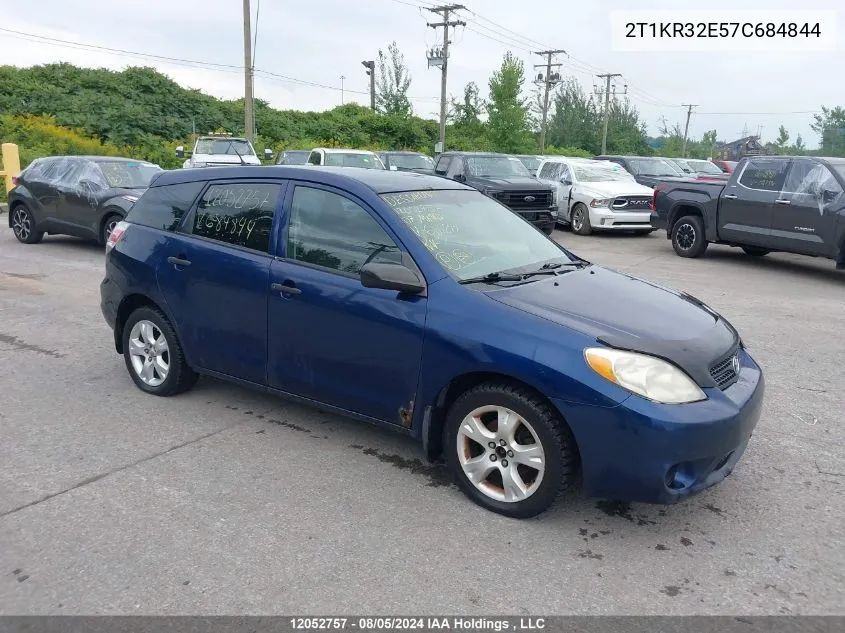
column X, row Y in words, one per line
column 317, row 41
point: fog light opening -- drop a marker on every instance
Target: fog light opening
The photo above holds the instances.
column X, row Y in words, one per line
column 673, row 482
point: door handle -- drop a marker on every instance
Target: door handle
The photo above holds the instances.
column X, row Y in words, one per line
column 730, row 196
column 176, row 261
column 285, row 289
column 783, row 201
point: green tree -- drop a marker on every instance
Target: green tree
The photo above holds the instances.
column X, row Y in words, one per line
column 574, row 119
column 466, row 130
column 830, row 125
column 393, row 83
column 508, row 119
column 626, row 133
column 782, row 139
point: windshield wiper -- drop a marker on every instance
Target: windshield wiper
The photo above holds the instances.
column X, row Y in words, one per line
column 491, row 277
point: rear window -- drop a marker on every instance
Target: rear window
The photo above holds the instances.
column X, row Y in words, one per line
column 164, row 207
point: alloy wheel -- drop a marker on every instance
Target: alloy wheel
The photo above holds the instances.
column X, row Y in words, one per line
column 686, row 236
column 577, row 219
column 500, row 453
column 21, row 224
column 149, row 353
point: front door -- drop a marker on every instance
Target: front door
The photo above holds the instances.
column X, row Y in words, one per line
column 806, row 211
column 746, row 205
column 331, row 339
column 215, row 275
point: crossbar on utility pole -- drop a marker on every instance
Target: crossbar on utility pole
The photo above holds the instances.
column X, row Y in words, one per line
column 548, row 81
column 445, row 11
column 249, row 114
column 689, row 107
column 607, row 77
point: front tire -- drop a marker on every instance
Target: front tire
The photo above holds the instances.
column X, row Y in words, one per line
column 23, row 225
column 755, row 251
column 509, row 450
column 688, row 238
column 153, row 354
column 580, row 220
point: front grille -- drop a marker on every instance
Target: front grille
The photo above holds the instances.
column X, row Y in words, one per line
column 632, row 203
column 724, row 373
column 517, row 199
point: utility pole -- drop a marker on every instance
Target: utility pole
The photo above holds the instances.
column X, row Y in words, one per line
column 607, row 77
column 342, row 77
column 249, row 114
column 551, row 79
column 371, row 71
column 689, row 107
column 440, row 58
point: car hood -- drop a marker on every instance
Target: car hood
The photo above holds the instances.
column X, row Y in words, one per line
column 615, row 188
column 521, row 183
column 628, row 313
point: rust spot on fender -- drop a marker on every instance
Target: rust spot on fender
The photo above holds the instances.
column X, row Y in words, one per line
column 406, row 415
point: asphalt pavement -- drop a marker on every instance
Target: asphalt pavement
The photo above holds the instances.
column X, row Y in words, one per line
column 228, row 501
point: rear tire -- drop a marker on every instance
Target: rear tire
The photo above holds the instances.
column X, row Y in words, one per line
column 153, row 354
column 755, row 251
column 107, row 227
column 580, row 220
column 535, row 453
column 23, row 225
column 688, row 238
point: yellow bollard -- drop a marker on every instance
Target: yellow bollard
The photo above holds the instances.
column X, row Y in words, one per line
column 11, row 163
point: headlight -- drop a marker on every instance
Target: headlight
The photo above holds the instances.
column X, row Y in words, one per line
column 644, row 375
column 554, row 196
column 601, row 202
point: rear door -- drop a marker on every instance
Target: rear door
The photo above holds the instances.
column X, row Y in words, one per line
column 214, row 276
column 807, row 209
column 747, row 203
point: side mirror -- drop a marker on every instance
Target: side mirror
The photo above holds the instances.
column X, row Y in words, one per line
column 393, row 168
column 391, row 277
column 180, row 152
column 460, row 178
column 268, row 154
column 565, row 181
column 829, row 196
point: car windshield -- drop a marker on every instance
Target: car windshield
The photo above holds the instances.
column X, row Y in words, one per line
column 531, row 163
column 354, row 159
column 128, row 174
column 229, row 146
column 472, row 235
column 703, row 167
column 683, row 164
column 589, row 173
column 496, row 167
column 295, row 158
column 654, row 167
column 411, row 161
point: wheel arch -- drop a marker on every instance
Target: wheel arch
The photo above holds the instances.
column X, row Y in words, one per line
column 127, row 306
column 108, row 212
column 434, row 419
column 680, row 210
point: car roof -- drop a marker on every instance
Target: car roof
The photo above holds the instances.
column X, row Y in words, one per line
column 341, row 150
column 402, row 153
column 459, row 153
column 377, row 180
column 111, row 159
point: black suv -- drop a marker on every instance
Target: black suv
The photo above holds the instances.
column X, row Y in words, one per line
column 505, row 179
column 647, row 170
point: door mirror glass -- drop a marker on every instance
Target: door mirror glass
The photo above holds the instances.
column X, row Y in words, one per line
column 391, row 277
column 180, row 152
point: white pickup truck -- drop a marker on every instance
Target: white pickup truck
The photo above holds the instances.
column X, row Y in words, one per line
column 595, row 196
column 221, row 151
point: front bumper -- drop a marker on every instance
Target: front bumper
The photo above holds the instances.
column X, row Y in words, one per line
column 543, row 219
column 605, row 219
column 654, row 453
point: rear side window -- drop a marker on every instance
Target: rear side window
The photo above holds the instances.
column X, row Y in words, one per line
column 164, row 207
column 764, row 174
column 240, row 214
